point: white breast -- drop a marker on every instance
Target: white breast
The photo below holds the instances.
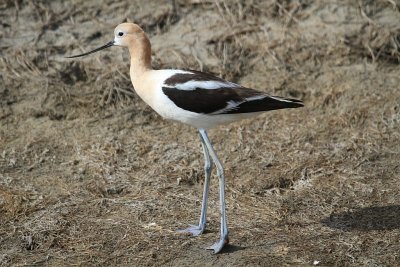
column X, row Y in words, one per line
column 149, row 88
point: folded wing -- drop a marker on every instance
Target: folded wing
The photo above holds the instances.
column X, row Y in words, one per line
column 206, row 94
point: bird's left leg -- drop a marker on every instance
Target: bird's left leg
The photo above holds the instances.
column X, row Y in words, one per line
column 199, row 229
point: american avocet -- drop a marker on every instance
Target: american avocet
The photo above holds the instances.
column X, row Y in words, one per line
column 196, row 98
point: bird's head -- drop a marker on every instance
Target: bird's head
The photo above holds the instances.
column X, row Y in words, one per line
column 125, row 34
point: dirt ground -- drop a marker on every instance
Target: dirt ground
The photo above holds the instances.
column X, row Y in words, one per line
column 91, row 176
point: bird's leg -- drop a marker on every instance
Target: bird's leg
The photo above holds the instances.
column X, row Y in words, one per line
column 224, row 239
column 196, row 230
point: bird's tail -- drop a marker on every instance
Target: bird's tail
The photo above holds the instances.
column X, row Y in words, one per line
column 261, row 103
column 284, row 102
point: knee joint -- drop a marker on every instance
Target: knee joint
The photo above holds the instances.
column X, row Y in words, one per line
column 208, row 167
column 220, row 169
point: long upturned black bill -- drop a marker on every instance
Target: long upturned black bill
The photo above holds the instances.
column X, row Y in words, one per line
column 95, row 50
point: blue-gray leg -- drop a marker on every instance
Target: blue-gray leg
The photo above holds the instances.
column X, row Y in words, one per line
column 224, row 239
column 196, row 230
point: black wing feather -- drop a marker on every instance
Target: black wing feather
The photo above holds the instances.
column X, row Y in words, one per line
column 192, row 76
column 224, row 100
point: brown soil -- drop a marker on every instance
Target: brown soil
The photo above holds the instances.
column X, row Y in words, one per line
column 89, row 175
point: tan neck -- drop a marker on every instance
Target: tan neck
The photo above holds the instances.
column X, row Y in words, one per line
column 140, row 51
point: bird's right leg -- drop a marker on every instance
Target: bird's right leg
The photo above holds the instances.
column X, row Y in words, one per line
column 196, row 230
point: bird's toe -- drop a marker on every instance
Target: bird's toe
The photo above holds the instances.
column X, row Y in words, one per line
column 194, row 230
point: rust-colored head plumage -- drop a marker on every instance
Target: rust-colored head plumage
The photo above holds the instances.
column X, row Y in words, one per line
column 130, row 35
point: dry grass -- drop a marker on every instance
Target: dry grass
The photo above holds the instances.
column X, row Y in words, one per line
column 89, row 175
column 377, row 43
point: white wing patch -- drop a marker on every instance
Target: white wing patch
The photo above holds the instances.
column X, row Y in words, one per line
column 192, row 85
column 281, row 99
column 231, row 105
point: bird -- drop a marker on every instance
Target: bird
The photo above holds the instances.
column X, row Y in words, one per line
column 195, row 98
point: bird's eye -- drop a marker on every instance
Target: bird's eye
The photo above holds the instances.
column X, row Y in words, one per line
column 120, row 33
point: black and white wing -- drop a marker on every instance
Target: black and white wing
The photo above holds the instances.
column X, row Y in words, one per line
column 206, row 94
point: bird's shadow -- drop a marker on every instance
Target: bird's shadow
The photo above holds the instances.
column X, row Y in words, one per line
column 229, row 248
column 366, row 219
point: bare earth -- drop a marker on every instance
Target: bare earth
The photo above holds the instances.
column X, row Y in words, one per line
column 91, row 176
